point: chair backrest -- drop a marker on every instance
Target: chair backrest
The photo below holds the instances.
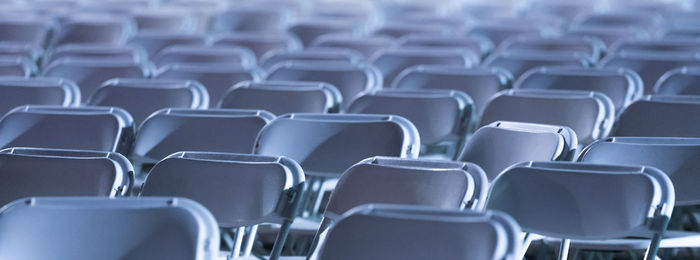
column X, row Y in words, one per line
column 609, row 35
column 499, row 32
column 91, row 28
column 398, row 29
column 592, row 47
column 27, row 172
column 660, row 116
column 442, row 117
column 350, row 79
column 18, row 91
column 680, row 81
column 620, row 19
column 223, row 55
column 81, row 128
column 95, row 51
column 155, row 41
column 590, row 114
column 658, row 45
column 479, row 83
column 283, row 97
column 90, row 228
column 676, row 157
column 173, row 130
column 371, row 231
column 275, row 57
column 251, row 18
column 622, row 86
column 308, row 30
column 26, row 50
column 475, row 44
column 499, row 145
column 555, row 199
column 26, row 29
column 164, row 19
column 392, row 61
column 368, row 45
column 649, row 65
column 259, row 43
column 327, row 144
column 216, row 78
column 142, row 97
column 519, row 62
column 16, row 66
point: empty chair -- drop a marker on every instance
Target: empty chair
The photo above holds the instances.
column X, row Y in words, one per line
column 215, row 77
column 397, row 9
column 251, row 18
column 621, row 85
column 349, row 79
column 368, row 45
column 142, row 97
column 522, row 141
column 96, row 51
column 269, row 189
column 80, row 128
column 499, row 32
column 400, row 29
column 425, row 234
column 642, row 20
column 554, row 199
column 259, row 43
column 680, row 81
column 29, row 51
column 273, row 58
column 223, row 55
column 661, row 45
column 327, row 144
column 16, row 66
column 96, row 228
column 283, row 97
column 391, row 62
column 18, row 91
column 518, row 62
column 102, row 29
column 178, row 129
column 479, row 83
column 609, row 35
column 308, row 30
column 650, row 66
column 593, row 48
column 442, row 117
column 660, row 116
column 155, row 41
column 476, row 44
column 29, row 172
column 590, row 114
column 163, row 20
column 25, row 29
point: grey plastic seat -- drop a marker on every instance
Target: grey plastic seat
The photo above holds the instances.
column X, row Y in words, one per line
column 650, row 66
column 96, row 29
column 398, row 29
column 621, row 19
column 142, row 97
column 18, row 91
column 443, row 117
column 590, row 114
column 308, row 30
column 680, row 81
column 275, row 57
column 349, row 79
column 178, row 129
column 81, row 128
column 396, row 9
column 609, row 35
column 90, row 73
column 25, row 50
column 392, row 62
column 283, row 97
column 215, row 77
column 368, row 45
column 224, row 55
column 499, row 32
column 16, row 66
column 660, row 116
column 29, row 172
column 327, row 144
column 519, row 62
column 659, row 45
column 163, row 19
column 622, row 86
column 25, row 29
column 476, row 44
column 593, row 48
column 259, row 43
column 479, row 83
column 251, row 18
column 240, row 190
column 497, row 146
column 554, row 199
column 96, row 51
column 155, row 41
column 83, row 228
column 370, row 232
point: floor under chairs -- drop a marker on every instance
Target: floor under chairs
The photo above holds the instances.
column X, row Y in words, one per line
column 283, row 97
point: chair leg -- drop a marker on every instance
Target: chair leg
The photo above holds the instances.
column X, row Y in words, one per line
column 564, row 249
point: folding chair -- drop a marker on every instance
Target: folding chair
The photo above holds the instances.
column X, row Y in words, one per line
column 680, row 81
column 177, row 129
column 479, row 83
column 609, row 35
column 18, row 91
column 224, row 55
column 81, row 128
column 259, row 43
column 155, row 41
column 308, row 30
column 660, row 45
column 270, row 187
column 26, row 29
column 96, row 29
column 475, row 44
column 252, row 18
column 523, row 141
column 349, row 79
column 554, row 199
column 84, row 228
column 90, row 73
column 398, row 29
column 164, row 19
column 518, row 62
column 392, row 61
column 101, row 51
column 660, row 116
column 16, row 66
column 622, row 86
column 650, row 66
column 283, row 97
column 593, row 48
column 443, row 117
column 272, row 58
column 215, row 77
column 142, row 97
column 590, row 114
column 367, row 46
column 370, row 232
